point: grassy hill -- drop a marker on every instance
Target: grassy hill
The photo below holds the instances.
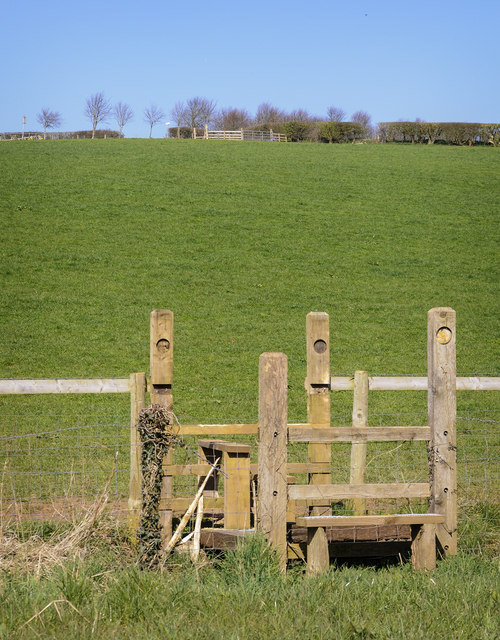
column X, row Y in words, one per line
column 241, row 241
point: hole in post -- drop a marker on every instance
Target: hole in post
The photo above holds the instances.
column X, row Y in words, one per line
column 275, row 493
column 320, row 346
column 443, row 335
column 445, row 433
column 163, row 345
column 446, row 489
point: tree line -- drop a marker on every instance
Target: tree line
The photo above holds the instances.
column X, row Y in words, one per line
column 298, row 125
column 199, row 112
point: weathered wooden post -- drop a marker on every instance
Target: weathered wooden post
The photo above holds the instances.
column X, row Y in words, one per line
column 137, row 382
column 161, row 364
column 442, row 408
column 273, row 414
column 358, row 449
column 318, row 395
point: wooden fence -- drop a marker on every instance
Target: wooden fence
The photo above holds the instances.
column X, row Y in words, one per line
column 242, row 134
column 265, row 493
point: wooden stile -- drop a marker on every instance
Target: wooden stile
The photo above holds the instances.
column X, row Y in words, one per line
column 272, row 490
column 137, row 402
column 318, row 397
column 441, row 360
column 161, row 363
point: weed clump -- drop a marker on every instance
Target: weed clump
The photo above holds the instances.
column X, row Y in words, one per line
column 156, row 432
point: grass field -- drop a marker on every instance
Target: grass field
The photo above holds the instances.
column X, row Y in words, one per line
column 241, row 241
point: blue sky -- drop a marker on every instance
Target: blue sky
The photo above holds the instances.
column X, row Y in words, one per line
column 396, row 59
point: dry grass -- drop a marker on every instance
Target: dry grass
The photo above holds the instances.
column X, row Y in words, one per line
column 38, row 555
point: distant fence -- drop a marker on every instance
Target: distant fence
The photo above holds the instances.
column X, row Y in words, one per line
column 242, row 134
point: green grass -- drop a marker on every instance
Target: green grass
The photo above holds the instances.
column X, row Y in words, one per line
column 244, row 596
column 241, row 241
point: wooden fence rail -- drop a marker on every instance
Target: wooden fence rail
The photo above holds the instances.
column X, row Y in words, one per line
column 243, row 134
column 414, row 383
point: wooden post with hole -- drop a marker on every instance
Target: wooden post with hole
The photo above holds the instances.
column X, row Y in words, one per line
column 161, row 364
column 358, row 449
column 137, row 382
column 272, row 453
column 441, row 358
column 318, row 395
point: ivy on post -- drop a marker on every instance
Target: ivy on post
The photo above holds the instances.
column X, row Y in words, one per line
column 161, row 363
column 442, row 408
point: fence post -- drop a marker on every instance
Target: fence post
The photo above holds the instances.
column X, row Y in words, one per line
column 318, row 395
column 137, row 383
column 272, row 486
column 161, row 364
column 442, row 408
column 206, row 132
column 358, row 449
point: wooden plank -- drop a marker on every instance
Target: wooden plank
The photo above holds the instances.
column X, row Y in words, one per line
column 272, row 493
column 179, row 504
column 137, row 402
column 65, row 385
column 358, row 447
column 161, row 362
column 375, row 520
column 415, row 383
column 307, row 467
column 237, row 490
column 377, row 534
column 318, row 396
column 217, row 429
column 350, row 434
column 342, row 491
column 223, row 538
column 478, row 383
column 203, row 469
column 229, row 447
column 442, row 406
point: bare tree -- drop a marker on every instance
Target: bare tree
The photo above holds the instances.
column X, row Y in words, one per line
column 197, row 112
column 231, row 119
column 122, row 114
column 267, row 113
column 153, row 115
column 335, row 114
column 48, row 119
column 97, row 109
column 179, row 113
column 364, row 119
column 299, row 115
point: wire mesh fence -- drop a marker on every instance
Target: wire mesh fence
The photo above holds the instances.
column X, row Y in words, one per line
column 52, row 468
